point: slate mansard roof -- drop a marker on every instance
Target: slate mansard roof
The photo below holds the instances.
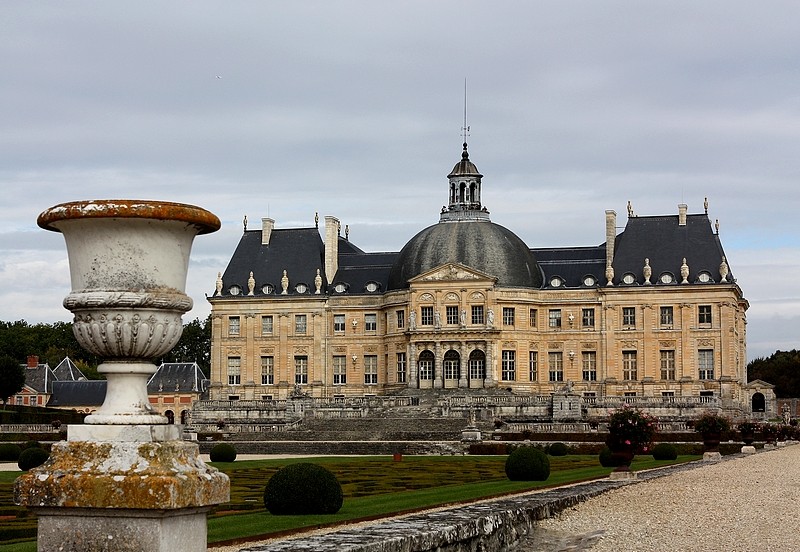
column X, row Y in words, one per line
column 464, row 235
column 661, row 239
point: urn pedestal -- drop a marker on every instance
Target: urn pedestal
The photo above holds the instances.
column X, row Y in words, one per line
column 125, row 480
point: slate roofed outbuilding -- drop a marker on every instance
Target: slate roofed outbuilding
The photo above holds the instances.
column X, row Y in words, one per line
column 68, row 371
column 665, row 242
column 177, row 377
column 40, row 378
column 78, row 393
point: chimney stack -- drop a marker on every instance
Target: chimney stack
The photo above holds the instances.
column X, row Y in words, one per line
column 33, row 361
column 682, row 208
column 611, row 235
column 332, row 227
column 267, row 224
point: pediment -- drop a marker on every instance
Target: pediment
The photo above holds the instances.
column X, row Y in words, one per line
column 759, row 384
column 452, row 272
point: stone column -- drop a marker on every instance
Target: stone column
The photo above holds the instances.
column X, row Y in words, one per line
column 463, row 380
column 438, row 372
column 413, row 372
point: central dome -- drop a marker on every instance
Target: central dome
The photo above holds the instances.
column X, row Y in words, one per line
column 481, row 245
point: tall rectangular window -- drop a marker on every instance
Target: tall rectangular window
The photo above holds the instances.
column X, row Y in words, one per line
column 370, row 322
column 629, row 367
column 587, row 318
column 667, row 364
column 705, row 363
column 267, row 370
column 554, row 318
column 301, row 370
column 338, row 323
column 426, row 316
column 300, row 324
column 533, row 365
column 667, row 316
column 704, row 315
column 508, row 316
column 629, row 316
column 451, row 314
column 266, row 325
column 477, row 314
column 401, row 319
column 533, row 315
column 339, row 370
column 370, row 369
column 555, row 365
column 401, row 367
column 589, row 361
column 509, row 365
column 234, row 370
column 233, row 326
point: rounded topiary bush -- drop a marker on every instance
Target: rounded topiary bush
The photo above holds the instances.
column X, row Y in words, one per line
column 528, row 464
column 607, row 459
column 665, row 451
column 303, row 488
column 9, row 452
column 32, row 457
column 558, row 449
column 223, row 452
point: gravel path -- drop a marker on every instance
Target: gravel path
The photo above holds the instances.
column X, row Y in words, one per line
column 749, row 503
column 742, row 504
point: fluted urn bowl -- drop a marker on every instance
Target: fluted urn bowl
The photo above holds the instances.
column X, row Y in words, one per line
column 128, row 261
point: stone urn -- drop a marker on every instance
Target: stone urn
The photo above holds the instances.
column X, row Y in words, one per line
column 128, row 261
column 125, row 480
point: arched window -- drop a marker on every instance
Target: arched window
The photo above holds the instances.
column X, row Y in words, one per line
column 759, row 402
column 425, row 364
column 452, row 365
column 170, row 416
column 477, row 365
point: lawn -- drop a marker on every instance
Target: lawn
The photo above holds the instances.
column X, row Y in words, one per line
column 373, row 487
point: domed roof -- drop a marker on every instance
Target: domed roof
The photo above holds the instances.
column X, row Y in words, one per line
column 484, row 246
column 465, row 167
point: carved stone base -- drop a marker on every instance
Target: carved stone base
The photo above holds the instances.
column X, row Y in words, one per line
column 748, row 449
column 144, row 493
column 622, row 476
column 712, row 456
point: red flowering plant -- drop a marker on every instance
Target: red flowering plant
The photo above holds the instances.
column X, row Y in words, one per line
column 630, row 428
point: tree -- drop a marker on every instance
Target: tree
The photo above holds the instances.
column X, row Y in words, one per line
column 194, row 345
column 12, row 377
column 781, row 369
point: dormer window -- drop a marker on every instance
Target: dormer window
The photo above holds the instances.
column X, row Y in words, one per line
column 629, row 279
column 556, row 281
column 340, row 287
column 267, row 289
column 666, row 278
column 589, row 281
column 234, row 290
column 704, row 277
column 301, row 288
column 371, row 287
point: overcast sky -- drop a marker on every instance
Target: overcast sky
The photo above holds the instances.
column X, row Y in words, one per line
column 355, row 109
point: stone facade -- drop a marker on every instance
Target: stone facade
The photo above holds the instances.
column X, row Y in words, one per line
column 642, row 316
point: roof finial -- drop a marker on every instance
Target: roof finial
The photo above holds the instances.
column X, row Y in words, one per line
column 465, row 128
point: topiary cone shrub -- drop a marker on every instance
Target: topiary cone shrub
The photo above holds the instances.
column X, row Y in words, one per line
column 528, row 464
column 665, row 451
column 32, row 457
column 222, row 452
column 301, row 489
column 607, row 458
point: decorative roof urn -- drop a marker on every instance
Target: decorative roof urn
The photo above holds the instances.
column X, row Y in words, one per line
column 128, row 262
